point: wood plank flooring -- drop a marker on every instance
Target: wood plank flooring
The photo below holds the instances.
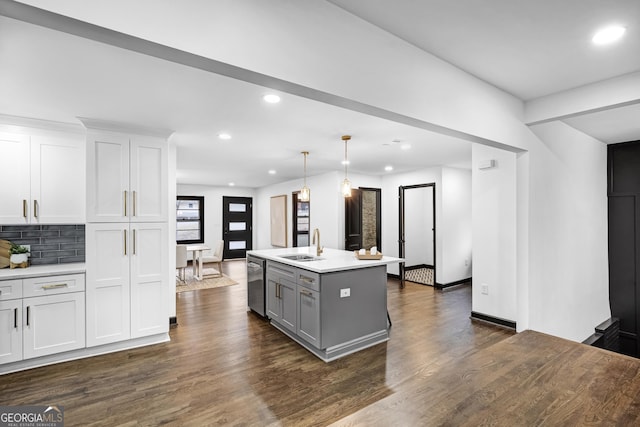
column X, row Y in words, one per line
column 226, row 366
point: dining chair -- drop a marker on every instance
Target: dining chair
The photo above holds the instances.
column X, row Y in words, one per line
column 217, row 257
column 181, row 261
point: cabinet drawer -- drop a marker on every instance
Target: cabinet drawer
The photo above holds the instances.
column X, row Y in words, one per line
column 10, row 289
column 51, row 285
column 282, row 270
column 308, row 279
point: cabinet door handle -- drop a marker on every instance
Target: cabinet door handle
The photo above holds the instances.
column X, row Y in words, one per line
column 125, row 202
column 28, row 314
column 56, row 286
column 305, row 292
column 25, row 210
column 134, row 241
column 278, row 290
column 35, row 208
column 125, row 242
column 133, row 198
column 15, row 318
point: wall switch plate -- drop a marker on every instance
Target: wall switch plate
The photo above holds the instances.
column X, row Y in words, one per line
column 484, row 288
column 346, row 292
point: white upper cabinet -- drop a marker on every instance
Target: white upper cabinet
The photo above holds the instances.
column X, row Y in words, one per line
column 126, row 177
column 15, row 179
column 42, row 177
column 57, row 180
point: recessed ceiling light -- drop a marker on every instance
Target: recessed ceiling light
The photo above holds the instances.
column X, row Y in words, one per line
column 224, row 136
column 271, row 98
column 388, row 168
column 231, row 184
column 608, row 35
column 405, row 146
column 272, row 172
column 345, row 162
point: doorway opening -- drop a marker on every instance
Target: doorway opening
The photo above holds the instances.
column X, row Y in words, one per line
column 417, row 233
column 362, row 222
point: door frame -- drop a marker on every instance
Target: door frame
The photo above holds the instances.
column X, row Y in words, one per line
column 401, row 227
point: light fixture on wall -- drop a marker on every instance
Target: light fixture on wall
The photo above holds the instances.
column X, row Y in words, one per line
column 346, row 185
column 305, row 193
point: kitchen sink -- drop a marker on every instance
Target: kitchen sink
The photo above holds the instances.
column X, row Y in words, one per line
column 301, row 257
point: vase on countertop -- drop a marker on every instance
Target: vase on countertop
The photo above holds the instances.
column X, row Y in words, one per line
column 19, row 260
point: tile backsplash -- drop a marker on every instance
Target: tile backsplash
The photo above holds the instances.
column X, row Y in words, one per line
column 50, row 244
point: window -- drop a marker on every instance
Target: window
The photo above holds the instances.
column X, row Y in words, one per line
column 190, row 219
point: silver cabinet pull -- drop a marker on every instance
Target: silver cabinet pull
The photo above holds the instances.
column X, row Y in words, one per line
column 278, row 290
column 307, row 279
column 307, row 293
column 134, row 202
column 28, row 314
column 134, row 239
column 125, row 242
column 55, row 286
column 25, row 210
column 125, row 202
column 35, row 208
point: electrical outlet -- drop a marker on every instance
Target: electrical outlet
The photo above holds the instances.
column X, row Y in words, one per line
column 484, row 288
column 466, row 263
column 346, row 292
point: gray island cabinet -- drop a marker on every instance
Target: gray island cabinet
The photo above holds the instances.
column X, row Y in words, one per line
column 332, row 304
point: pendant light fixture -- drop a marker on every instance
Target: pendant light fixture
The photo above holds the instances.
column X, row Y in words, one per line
column 346, row 185
column 305, row 193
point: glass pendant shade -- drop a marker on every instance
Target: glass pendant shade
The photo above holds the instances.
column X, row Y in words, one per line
column 346, row 188
column 305, row 193
column 346, row 184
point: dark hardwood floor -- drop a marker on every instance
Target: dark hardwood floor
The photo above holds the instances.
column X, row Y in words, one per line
column 226, row 366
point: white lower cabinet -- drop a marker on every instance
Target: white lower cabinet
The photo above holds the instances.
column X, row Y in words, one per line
column 126, row 284
column 53, row 324
column 10, row 331
column 41, row 316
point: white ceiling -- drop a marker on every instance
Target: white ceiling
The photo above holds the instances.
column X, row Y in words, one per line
column 526, row 48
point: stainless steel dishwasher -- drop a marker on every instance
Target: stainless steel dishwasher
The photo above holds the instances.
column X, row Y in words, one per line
column 256, row 285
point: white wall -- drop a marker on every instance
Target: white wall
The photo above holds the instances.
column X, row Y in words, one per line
column 494, row 233
column 213, row 209
column 455, row 225
column 569, row 294
column 326, row 207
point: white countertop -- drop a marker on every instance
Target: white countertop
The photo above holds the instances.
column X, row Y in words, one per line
column 42, row 270
column 332, row 259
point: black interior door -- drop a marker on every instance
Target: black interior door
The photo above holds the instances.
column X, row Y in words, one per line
column 353, row 221
column 624, row 243
column 237, row 226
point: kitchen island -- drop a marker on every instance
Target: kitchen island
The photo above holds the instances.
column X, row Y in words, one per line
column 332, row 304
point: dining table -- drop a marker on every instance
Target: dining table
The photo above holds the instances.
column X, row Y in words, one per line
column 197, row 249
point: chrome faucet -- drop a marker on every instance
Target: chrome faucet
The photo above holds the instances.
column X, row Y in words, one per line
column 313, row 241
